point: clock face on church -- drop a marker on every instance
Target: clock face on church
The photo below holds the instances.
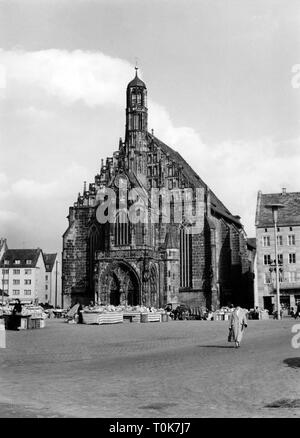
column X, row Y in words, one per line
column 121, row 181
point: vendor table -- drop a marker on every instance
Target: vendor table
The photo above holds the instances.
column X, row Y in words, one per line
column 132, row 316
column 24, row 322
column 58, row 313
column 102, row 318
column 150, row 317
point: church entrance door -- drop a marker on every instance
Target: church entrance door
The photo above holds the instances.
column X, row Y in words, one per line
column 114, row 292
column 133, row 292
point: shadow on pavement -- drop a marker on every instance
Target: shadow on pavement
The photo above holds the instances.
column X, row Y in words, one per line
column 293, row 362
column 216, row 346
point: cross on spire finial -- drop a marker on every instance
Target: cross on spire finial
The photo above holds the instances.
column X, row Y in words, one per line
column 136, row 65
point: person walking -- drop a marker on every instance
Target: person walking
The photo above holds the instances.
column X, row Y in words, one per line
column 297, row 311
column 237, row 325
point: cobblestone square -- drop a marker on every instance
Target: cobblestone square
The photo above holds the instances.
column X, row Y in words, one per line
column 173, row 369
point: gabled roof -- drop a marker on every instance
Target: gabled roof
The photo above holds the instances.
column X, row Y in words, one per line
column 21, row 254
column 49, row 260
column 216, row 205
column 287, row 216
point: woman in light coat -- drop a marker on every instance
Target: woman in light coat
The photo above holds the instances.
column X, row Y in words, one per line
column 237, row 324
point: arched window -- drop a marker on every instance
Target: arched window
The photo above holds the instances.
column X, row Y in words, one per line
column 185, row 258
column 139, row 98
column 139, row 233
column 133, row 98
column 122, row 231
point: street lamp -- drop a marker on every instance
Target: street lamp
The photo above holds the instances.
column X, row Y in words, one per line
column 275, row 207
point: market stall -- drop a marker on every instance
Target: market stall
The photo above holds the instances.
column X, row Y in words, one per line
column 101, row 315
column 114, row 314
column 151, row 317
column 31, row 317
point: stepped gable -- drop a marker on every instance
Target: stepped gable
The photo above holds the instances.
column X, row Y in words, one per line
column 216, row 205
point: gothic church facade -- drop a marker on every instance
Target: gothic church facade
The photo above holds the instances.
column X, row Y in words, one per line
column 148, row 262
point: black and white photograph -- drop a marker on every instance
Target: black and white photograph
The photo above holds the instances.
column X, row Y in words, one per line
column 150, row 212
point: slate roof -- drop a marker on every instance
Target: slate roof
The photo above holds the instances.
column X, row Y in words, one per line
column 136, row 82
column 287, row 216
column 21, row 254
column 49, row 260
column 216, row 205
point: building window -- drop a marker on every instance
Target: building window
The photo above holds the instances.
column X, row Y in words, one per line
column 28, row 262
column 149, row 171
column 266, row 240
column 267, row 259
column 139, row 233
column 170, row 171
column 16, row 271
column 149, row 159
column 27, row 292
column 5, row 271
column 16, row 292
column 291, row 228
column 155, row 158
column 185, row 258
column 139, row 98
column 46, row 297
column 5, row 281
column 6, row 262
column 155, row 171
column 279, row 240
column 27, row 281
column 278, row 229
column 291, row 239
column 122, row 236
column 46, row 277
column 292, row 258
column 17, row 262
column 267, row 278
column 280, row 258
column 266, row 230
column 16, row 281
column 292, row 277
column 27, row 271
column 170, row 184
column 46, row 286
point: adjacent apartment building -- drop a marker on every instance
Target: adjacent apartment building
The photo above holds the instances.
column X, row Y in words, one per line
column 23, row 274
column 52, row 280
column 30, row 275
column 288, row 238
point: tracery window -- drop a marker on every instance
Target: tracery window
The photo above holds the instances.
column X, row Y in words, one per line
column 185, row 258
column 122, row 230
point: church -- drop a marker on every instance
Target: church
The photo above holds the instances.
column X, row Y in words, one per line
column 181, row 245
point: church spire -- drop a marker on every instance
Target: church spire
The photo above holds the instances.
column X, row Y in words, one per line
column 136, row 108
column 136, row 126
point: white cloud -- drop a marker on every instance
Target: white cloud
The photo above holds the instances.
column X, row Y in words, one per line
column 90, row 77
column 235, row 171
column 27, row 189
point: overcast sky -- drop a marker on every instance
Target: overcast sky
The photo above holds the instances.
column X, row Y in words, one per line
column 219, row 78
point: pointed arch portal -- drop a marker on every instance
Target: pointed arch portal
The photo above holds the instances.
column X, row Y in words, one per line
column 120, row 284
